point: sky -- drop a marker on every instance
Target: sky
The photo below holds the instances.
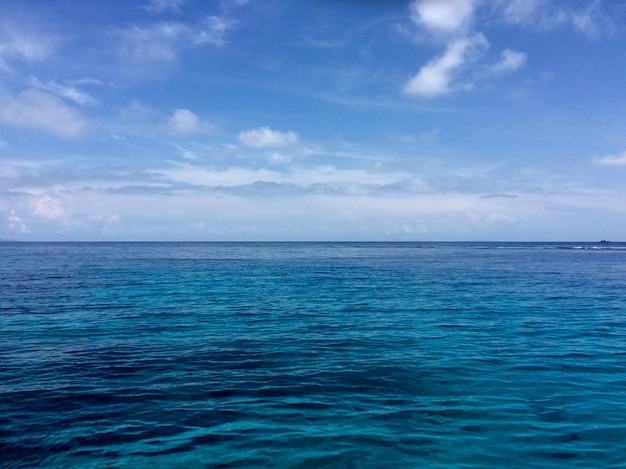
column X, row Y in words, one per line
column 313, row 120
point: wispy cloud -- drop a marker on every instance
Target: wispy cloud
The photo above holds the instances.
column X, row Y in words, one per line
column 586, row 21
column 324, row 178
column 154, row 43
column 162, row 6
column 264, row 137
column 111, row 219
column 21, row 42
column 64, row 91
column 137, row 111
column 163, row 41
column 612, row 160
column 277, row 159
column 35, row 109
column 520, row 11
column 213, row 30
column 548, row 14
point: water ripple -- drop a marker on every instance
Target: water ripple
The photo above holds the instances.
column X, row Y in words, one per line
column 312, row 355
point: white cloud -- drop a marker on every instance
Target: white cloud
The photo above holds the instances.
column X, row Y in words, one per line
column 22, row 43
column 436, row 77
column 429, row 135
column 137, row 111
column 35, row 109
column 214, row 31
column 495, row 217
column 161, row 6
column 16, row 224
column 510, row 61
column 411, row 229
column 453, row 21
column 520, row 11
column 443, row 16
column 162, row 42
column 185, row 122
column 112, row 219
column 63, row 91
column 264, row 137
column 156, row 43
column 211, row 177
column 547, row 14
column 276, row 158
column 304, row 178
column 586, row 21
column 612, row 160
column 47, row 207
column 9, row 172
column 187, row 153
column 324, row 197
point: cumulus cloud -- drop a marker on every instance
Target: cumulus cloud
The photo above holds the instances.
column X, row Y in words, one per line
column 435, row 78
column 33, row 108
column 16, row 223
column 510, row 61
column 453, row 21
column 264, row 137
column 185, row 122
column 612, row 160
column 47, row 207
column 443, row 16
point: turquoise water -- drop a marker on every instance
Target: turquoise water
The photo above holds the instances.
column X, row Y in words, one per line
column 307, row 355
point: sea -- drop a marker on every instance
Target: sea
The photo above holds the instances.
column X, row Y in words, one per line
column 312, row 355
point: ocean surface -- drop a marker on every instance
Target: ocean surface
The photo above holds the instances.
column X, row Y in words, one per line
column 312, row 355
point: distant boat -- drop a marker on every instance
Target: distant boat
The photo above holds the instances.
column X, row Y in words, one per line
column 605, row 241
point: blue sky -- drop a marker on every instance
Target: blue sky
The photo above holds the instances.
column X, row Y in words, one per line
column 313, row 120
